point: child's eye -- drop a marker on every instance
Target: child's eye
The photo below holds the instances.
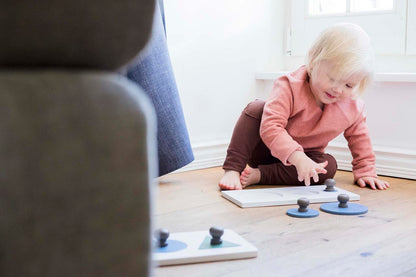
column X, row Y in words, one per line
column 330, row 78
column 348, row 86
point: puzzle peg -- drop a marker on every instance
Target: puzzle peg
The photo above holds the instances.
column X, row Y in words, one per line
column 303, row 203
column 343, row 199
column 162, row 237
column 216, row 233
column 330, row 185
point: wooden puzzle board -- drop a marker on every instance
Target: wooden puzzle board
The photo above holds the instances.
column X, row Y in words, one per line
column 194, row 247
column 284, row 196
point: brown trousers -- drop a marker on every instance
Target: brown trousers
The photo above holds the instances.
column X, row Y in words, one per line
column 246, row 147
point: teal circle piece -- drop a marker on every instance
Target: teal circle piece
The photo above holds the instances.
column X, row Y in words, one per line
column 352, row 209
column 309, row 213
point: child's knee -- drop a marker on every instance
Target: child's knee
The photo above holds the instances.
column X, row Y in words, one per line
column 255, row 108
column 332, row 166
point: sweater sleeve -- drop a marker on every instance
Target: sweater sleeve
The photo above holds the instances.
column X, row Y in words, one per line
column 359, row 143
column 275, row 117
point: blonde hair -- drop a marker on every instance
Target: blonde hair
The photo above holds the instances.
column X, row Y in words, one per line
column 348, row 48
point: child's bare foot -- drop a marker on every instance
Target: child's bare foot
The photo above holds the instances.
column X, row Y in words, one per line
column 250, row 176
column 230, row 180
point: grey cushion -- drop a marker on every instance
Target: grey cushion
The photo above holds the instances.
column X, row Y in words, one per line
column 77, row 153
column 103, row 34
column 77, row 142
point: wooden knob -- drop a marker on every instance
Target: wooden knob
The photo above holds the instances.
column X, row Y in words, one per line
column 303, row 203
column 161, row 236
column 343, row 199
column 330, row 184
column 216, row 233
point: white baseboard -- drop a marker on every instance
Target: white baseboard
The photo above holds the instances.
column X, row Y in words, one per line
column 390, row 161
column 208, row 154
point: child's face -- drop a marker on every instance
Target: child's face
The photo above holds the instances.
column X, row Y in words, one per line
column 327, row 88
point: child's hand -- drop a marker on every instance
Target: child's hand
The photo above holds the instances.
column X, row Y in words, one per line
column 372, row 182
column 306, row 167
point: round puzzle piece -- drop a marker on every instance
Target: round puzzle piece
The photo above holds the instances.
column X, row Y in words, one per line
column 352, row 209
column 309, row 213
column 172, row 246
column 303, row 210
column 344, row 208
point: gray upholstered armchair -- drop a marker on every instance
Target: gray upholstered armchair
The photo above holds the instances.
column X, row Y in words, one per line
column 77, row 141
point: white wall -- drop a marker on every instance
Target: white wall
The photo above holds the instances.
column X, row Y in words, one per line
column 217, row 46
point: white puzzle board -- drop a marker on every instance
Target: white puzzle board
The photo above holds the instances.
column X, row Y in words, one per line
column 194, row 247
column 284, row 196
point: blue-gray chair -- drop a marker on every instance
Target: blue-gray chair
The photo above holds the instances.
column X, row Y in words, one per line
column 77, row 140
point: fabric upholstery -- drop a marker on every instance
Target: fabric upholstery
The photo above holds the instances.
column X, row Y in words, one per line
column 153, row 71
column 74, row 177
column 99, row 34
column 78, row 142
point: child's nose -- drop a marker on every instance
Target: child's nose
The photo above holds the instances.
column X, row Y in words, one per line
column 337, row 88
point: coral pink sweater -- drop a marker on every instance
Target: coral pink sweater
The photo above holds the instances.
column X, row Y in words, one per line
column 292, row 121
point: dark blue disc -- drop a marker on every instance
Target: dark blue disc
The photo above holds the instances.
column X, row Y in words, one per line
column 352, row 209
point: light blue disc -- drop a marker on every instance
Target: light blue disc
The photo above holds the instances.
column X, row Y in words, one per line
column 309, row 213
column 173, row 246
column 352, row 209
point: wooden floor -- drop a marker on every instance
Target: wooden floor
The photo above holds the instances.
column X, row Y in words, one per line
column 379, row 243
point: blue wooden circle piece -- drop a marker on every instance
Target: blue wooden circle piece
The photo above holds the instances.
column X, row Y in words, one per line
column 309, row 213
column 352, row 209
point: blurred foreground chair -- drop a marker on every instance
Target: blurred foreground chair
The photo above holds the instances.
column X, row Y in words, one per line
column 77, row 140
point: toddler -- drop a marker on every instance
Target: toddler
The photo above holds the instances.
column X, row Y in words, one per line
column 282, row 140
